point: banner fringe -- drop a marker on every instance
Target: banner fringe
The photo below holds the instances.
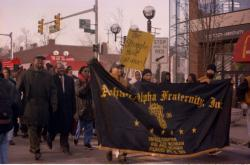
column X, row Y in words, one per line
column 163, row 155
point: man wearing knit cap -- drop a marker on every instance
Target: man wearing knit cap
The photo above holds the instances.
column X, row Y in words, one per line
column 117, row 72
column 210, row 74
column 147, row 75
column 146, row 79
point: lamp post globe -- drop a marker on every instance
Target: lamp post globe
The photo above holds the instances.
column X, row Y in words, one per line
column 149, row 13
column 115, row 28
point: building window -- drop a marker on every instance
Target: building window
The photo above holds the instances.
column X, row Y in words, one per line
column 224, row 6
column 241, row 4
column 208, row 7
column 211, row 7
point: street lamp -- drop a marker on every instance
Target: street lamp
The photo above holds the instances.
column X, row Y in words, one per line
column 115, row 28
column 149, row 13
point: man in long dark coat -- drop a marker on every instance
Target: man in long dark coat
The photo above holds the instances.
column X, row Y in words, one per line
column 40, row 94
column 62, row 119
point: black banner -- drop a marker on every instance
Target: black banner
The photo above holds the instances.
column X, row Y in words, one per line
column 177, row 120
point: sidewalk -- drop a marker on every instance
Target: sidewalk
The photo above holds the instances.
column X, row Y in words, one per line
column 238, row 128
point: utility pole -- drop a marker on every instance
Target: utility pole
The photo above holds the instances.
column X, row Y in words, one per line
column 96, row 28
column 11, row 43
column 11, row 46
column 94, row 9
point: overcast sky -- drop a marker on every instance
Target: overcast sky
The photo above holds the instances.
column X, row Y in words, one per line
column 18, row 14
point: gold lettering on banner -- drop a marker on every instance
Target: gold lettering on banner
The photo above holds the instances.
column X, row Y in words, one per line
column 196, row 100
column 147, row 97
column 166, row 145
column 150, row 98
column 215, row 104
column 105, row 91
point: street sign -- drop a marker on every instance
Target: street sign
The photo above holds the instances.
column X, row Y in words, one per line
column 89, row 31
column 159, row 48
column 84, row 24
column 52, row 29
column 160, row 55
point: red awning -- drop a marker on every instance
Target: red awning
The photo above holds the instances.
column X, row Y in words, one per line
column 242, row 48
column 54, row 59
column 10, row 63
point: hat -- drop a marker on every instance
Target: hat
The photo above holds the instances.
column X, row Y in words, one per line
column 211, row 67
column 117, row 65
column 145, row 71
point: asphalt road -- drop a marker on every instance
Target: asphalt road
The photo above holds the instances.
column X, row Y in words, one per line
column 19, row 153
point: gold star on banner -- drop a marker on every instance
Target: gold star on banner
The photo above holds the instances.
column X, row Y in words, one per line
column 181, row 131
column 136, row 123
column 172, row 132
column 194, row 130
column 163, row 132
column 169, row 115
column 152, row 130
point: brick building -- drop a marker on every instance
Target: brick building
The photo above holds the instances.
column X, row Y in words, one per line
column 229, row 21
column 78, row 54
column 196, row 23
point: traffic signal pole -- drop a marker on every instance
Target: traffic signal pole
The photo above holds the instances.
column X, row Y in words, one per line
column 94, row 9
column 72, row 15
column 11, row 44
column 96, row 28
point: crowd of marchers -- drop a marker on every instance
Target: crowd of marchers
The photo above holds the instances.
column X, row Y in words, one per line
column 45, row 101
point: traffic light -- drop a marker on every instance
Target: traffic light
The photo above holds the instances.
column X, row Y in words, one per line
column 40, row 26
column 57, row 22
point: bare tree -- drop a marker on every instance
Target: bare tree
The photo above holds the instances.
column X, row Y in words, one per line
column 46, row 36
column 5, row 50
column 23, row 40
column 202, row 29
column 86, row 39
column 207, row 23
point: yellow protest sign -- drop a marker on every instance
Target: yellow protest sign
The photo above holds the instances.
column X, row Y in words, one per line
column 136, row 49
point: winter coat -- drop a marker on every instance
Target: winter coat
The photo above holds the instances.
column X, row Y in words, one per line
column 10, row 105
column 61, row 120
column 84, row 110
column 243, row 91
column 39, row 94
